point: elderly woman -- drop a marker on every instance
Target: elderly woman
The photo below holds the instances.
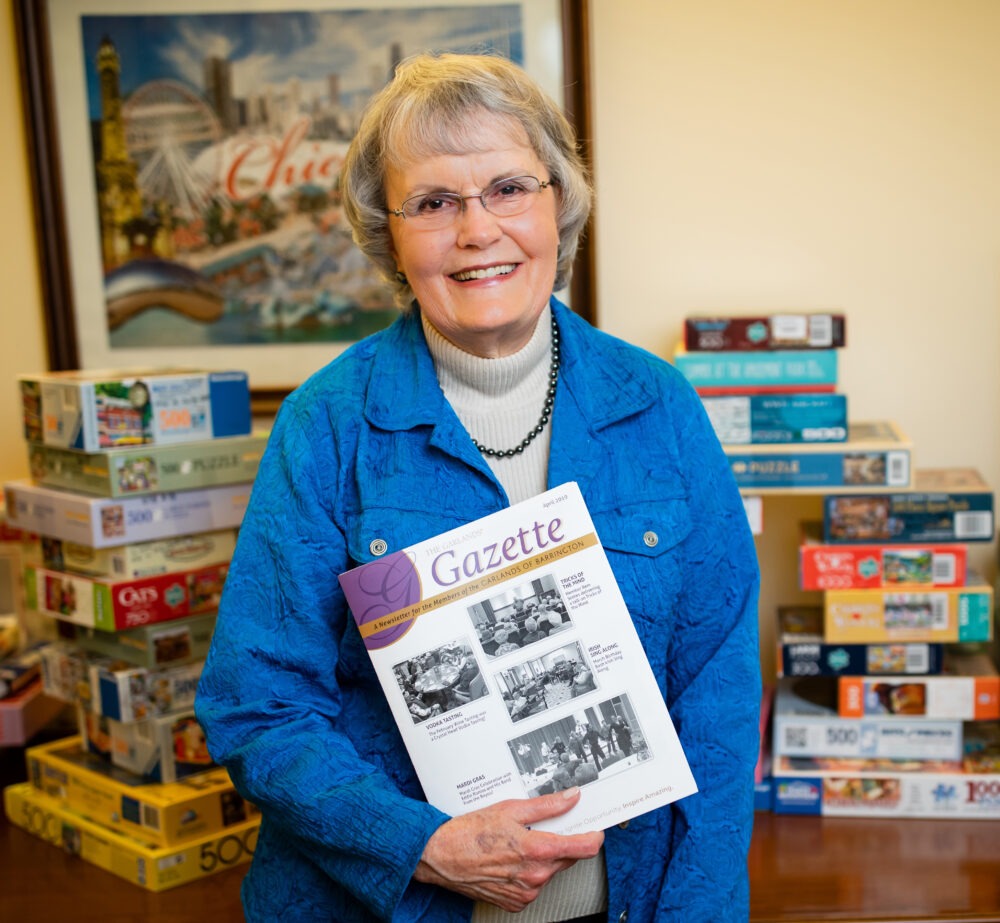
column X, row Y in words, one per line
column 464, row 185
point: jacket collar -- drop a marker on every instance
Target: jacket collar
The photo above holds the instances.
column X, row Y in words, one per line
column 593, row 392
column 404, row 392
column 604, row 391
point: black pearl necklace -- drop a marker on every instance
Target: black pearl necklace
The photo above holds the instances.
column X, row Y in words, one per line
column 550, row 398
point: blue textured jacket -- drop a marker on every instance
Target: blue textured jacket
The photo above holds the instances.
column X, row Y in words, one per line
column 368, row 448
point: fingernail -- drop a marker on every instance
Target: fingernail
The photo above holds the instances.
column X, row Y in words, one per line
column 571, row 792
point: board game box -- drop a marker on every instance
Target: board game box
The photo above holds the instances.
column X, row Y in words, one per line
column 160, row 813
column 155, row 868
column 824, row 566
column 876, row 454
column 163, row 748
column 105, row 522
column 140, row 559
column 940, row 614
column 883, row 788
column 968, row 690
column 111, row 606
column 807, row 723
column 136, row 693
column 134, row 470
column 102, row 409
column 787, row 330
column 804, row 651
column 66, row 672
column 777, row 418
column 802, row 369
column 158, row 644
column 945, row 505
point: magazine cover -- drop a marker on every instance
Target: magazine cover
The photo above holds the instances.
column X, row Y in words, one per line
column 513, row 669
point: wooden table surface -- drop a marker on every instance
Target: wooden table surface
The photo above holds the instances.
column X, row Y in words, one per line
column 874, row 869
column 802, row 869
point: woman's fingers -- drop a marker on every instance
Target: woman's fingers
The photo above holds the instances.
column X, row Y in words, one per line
column 493, row 855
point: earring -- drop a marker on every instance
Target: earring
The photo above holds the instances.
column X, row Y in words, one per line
column 401, row 277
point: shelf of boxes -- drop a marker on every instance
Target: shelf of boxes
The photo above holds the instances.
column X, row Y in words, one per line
column 878, row 708
column 139, row 481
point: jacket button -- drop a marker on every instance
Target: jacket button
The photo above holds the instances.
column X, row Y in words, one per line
column 651, row 539
column 378, row 547
column 623, row 917
column 623, row 825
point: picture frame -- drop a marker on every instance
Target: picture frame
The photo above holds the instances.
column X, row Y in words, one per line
column 69, row 212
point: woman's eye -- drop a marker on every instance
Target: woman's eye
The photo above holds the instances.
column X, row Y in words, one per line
column 434, row 204
column 508, row 190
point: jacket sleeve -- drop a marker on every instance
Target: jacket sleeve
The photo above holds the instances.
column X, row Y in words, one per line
column 269, row 700
column 713, row 689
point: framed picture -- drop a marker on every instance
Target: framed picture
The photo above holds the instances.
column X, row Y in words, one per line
column 185, row 161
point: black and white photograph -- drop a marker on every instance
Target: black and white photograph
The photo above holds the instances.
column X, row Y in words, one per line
column 440, row 680
column 594, row 742
column 520, row 616
column 533, row 686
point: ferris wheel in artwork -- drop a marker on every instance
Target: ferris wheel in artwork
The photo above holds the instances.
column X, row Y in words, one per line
column 168, row 127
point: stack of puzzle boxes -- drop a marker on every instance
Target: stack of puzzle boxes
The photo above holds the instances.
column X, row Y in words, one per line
column 139, row 481
column 769, row 384
column 888, row 701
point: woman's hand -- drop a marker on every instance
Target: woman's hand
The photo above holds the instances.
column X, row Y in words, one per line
column 491, row 855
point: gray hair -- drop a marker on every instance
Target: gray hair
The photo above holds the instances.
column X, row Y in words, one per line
column 430, row 108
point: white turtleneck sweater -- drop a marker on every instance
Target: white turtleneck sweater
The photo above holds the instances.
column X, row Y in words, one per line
column 499, row 401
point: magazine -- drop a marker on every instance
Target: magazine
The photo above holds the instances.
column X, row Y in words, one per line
column 513, row 669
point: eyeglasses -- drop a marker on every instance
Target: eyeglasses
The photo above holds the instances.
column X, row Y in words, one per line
column 504, row 198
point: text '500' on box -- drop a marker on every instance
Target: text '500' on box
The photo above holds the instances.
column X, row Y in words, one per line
column 103, row 522
column 93, row 410
column 155, row 868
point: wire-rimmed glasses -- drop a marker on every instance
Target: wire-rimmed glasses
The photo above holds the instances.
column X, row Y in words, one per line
column 503, row 198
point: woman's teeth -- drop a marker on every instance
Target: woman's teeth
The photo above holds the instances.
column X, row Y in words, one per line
column 489, row 273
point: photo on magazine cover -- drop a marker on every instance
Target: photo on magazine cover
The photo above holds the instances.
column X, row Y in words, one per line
column 440, row 680
column 591, row 743
column 519, row 616
column 549, row 680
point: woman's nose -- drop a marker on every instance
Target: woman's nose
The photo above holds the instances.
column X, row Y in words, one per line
column 477, row 227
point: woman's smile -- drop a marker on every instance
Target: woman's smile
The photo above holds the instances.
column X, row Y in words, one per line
column 487, row 272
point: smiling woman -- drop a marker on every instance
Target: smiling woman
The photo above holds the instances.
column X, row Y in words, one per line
column 482, row 278
column 464, row 187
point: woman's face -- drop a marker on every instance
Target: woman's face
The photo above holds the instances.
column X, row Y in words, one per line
column 494, row 315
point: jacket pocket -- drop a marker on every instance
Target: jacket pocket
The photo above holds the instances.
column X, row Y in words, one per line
column 643, row 543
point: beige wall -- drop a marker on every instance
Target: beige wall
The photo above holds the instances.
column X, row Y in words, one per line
column 824, row 154
column 22, row 342
column 760, row 155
